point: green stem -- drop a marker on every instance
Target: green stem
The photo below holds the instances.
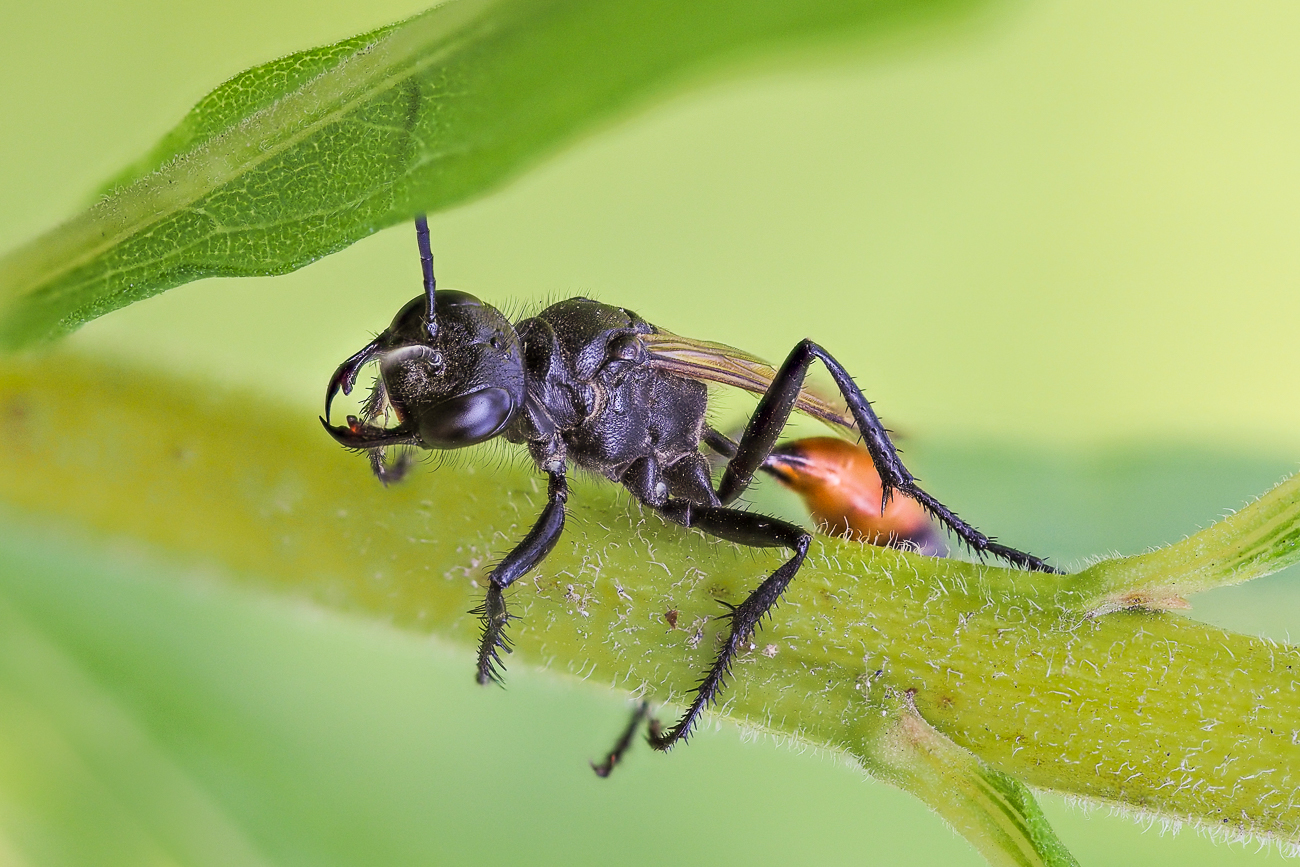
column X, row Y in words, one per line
column 993, row 811
column 1142, row 709
column 1259, row 540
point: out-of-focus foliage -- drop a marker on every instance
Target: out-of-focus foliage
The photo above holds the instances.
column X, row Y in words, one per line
column 298, row 158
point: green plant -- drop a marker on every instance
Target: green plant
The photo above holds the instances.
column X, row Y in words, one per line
column 869, row 717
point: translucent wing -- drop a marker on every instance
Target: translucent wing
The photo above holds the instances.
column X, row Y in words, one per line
column 726, row 365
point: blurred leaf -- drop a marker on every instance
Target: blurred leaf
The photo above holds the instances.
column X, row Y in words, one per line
column 300, row 157
column 80, row 783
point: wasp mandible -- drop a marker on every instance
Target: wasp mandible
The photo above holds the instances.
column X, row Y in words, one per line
column 599, row 386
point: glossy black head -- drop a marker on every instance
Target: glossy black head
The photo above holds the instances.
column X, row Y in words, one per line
column 451, row 382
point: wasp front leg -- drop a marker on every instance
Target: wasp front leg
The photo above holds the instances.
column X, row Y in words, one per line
column 527, row 554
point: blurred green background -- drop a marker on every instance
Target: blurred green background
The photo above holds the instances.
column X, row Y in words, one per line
column 1056, row 243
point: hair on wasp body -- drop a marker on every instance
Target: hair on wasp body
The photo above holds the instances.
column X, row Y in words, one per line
column 596, row 386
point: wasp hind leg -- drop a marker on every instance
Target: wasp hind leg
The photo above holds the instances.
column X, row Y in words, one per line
column 532, row 550
column 614, row 756
column 743, row 528
column 646, row 481
column 774, row 409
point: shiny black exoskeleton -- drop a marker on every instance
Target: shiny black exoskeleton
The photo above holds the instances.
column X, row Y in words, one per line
column 599, row 386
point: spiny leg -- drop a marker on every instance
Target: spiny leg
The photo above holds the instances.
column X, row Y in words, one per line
column 527, row 554
column 774, row 409
column 624, row 741
column 697, row 507
column 743, row 528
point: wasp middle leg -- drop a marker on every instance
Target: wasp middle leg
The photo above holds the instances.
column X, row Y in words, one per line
column 743, row 528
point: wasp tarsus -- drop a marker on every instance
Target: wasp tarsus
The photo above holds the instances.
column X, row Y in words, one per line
column 615, row 755
column 599, row 386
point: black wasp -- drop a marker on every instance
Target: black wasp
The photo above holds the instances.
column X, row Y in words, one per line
column 598, row 385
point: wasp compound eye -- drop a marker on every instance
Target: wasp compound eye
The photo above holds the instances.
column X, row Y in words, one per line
column 468, row 419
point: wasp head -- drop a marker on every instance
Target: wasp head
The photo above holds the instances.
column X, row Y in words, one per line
column 451, row 380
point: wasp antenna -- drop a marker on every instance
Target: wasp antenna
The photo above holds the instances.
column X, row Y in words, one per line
column 426, row 265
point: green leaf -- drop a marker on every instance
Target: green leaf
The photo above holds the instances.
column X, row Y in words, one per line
column 238, row 99
column 300, row 157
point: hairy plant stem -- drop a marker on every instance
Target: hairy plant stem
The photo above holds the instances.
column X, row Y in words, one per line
column 1139, row 708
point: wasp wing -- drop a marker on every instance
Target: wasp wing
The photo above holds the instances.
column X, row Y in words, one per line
column 726, row 365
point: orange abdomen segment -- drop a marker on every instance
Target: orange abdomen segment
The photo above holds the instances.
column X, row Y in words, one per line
column 839, row 484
